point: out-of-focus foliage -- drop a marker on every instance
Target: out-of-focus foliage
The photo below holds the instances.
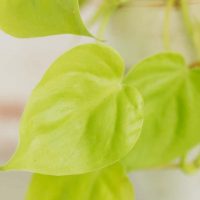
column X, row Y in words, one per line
column 171, row 92
column 106, row 184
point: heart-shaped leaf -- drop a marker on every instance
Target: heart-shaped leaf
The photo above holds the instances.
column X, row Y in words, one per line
column 107, row 184
column 171, row 92
column 81, row 117
column 35, row 18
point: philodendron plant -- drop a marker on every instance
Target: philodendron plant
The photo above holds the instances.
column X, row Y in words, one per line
column 89, row 121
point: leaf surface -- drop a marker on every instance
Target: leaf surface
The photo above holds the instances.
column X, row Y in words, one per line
column 80, row 117
column 171, row 92
column 35, row 18
column 107, row 184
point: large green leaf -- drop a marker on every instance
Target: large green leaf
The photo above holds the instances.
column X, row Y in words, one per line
column 171, row 92
column 107, row 184
column 34, row 18
column 81, row 117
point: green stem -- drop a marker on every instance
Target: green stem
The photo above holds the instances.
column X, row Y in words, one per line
column 97, row 15
column 191, row 167
column 103, row 14
column 191, row 31
column 166, row 28
column 103, row 24
column 186, row 17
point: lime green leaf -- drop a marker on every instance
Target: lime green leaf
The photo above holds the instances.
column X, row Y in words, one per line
column 81, row 117
column 171, row 92
column 28, row 18
column 107, row 184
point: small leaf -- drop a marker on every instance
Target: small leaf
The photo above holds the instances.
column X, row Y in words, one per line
column 171, row 94
column 81, row 117
column 35, row 18
column 107, row 184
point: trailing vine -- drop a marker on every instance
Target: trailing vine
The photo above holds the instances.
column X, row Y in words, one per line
column 88, row 122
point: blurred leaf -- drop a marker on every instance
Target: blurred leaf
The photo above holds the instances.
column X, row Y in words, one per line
column 35, row 18
column 107, row 184
column 171, row 92
column 81, row 117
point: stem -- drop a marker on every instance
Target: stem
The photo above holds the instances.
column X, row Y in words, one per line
column 97, row 15
column 192, row 167
column 186, row 17
column 166, row 28
column 189, row 25
column 103, row 25
column 104, row 13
